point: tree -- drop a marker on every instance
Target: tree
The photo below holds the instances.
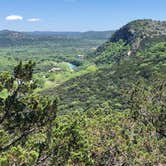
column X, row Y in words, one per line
column 25, row 118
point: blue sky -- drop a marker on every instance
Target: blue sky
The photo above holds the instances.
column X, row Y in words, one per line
column 76, row 15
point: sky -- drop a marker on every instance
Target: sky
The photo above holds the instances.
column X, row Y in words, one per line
column 76, row 15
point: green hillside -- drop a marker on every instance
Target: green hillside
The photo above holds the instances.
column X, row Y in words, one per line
column 117, row 72
column 109, row 110
column 130, row 38
column 111, row 83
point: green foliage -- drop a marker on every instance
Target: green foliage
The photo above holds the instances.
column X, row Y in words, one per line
column 111, row 83
column 114, row 53
column 23, row 114
column 71, row 141
column 49, row 54
column 110, row 114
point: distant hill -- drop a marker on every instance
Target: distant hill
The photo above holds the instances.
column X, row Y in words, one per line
column 88, row 34
column 50, row 33
column 13, row 38
column 97, row 34
column 11, row 34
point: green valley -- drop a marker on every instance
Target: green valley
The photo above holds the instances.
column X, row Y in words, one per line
column 82, row 99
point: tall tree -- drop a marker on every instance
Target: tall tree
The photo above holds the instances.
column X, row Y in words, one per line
column 23, row 116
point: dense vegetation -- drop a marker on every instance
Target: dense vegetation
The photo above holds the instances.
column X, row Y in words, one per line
column 111, row 109
column 111, row 83
column 48, row 55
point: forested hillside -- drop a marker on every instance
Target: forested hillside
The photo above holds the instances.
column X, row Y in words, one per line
column 136, row 32
column 108, row 110
column 116, row 72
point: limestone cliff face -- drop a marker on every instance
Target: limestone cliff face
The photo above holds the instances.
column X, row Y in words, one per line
column 135, row 32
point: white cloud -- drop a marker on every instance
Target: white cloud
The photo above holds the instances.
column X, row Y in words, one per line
column 33, row 19
column 14, row 18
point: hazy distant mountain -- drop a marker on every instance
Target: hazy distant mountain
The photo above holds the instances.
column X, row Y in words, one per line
column 88, row 34
column 12, row 38
column 54, row 33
